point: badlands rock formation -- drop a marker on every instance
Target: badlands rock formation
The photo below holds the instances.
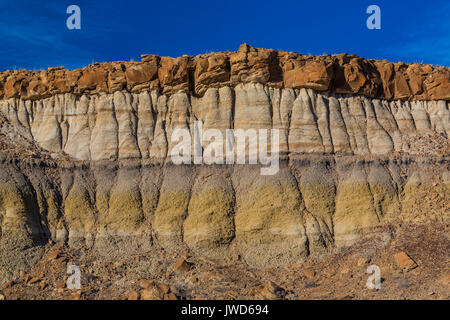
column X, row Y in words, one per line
column 343, row 73
column 363, row 143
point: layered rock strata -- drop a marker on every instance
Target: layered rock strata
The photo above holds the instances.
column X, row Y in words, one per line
column 127, row 125
column 310, row 205
column 359, row 148
column 342, row 73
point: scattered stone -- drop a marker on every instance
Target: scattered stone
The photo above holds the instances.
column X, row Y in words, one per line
column 404, row 261
column 155, row 291
column 271, row 292
column 163, row 288
column 150, row 294
column 362, row 261
column 54, row 254
column 144, row 284
column 170, row 296
column 347, row 296
column 309, row 273
column 182, row 265
column 132, row 295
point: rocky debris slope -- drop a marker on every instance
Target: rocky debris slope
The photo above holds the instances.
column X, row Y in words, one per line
column 16, row 142
column 342, row 73
column 341, row 274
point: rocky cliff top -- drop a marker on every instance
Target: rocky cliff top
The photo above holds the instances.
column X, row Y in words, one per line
column 342, row 73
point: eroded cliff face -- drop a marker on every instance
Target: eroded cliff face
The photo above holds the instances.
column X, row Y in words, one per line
column 343, row 73
column 127, row 125
column 311, row 204
column 85, row 154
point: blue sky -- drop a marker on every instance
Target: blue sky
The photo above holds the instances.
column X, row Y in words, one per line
column 33, row 33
